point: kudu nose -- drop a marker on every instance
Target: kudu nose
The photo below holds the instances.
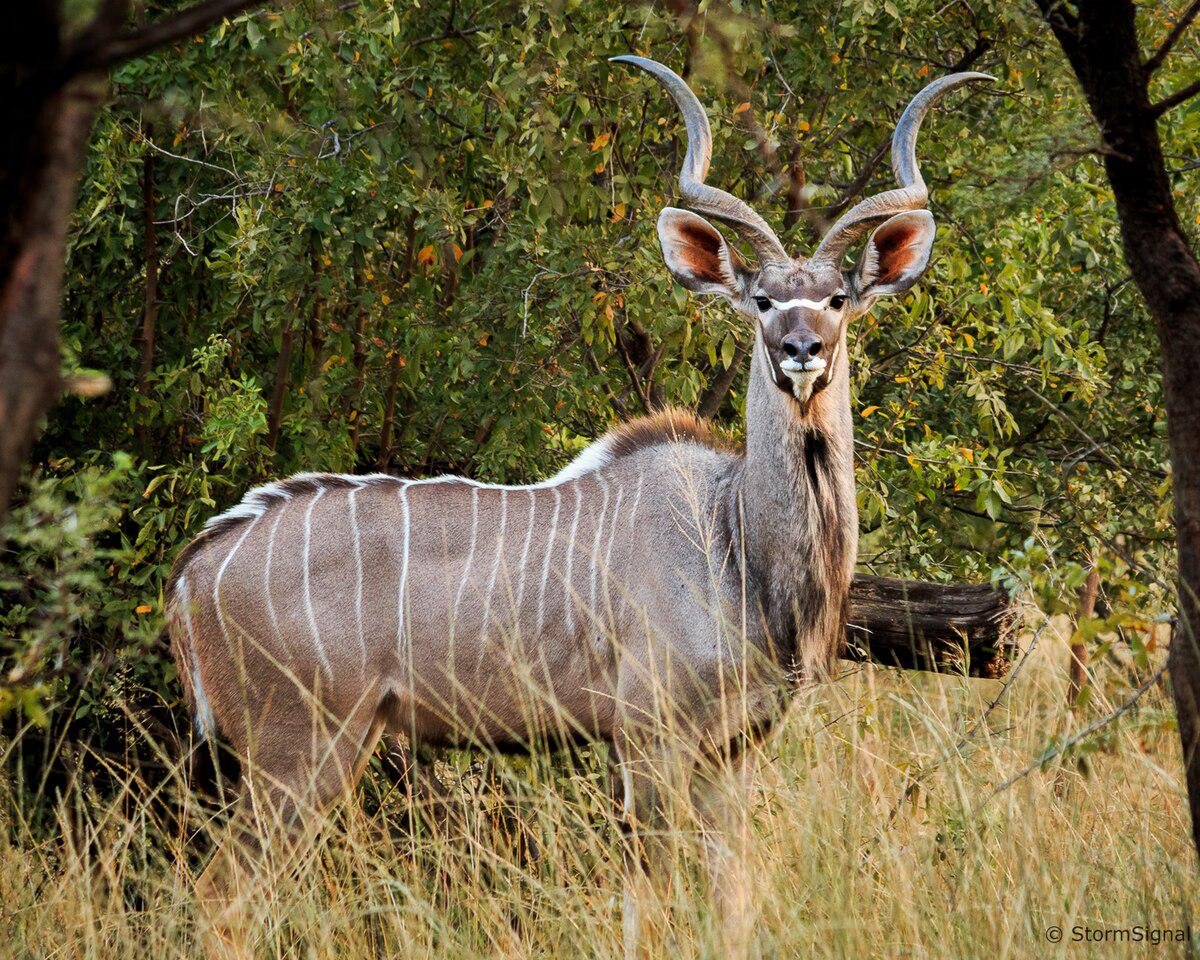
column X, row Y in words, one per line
column 801, row 348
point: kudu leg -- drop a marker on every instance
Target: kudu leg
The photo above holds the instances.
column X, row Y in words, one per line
column 291, row 782
column 647, row 778
column 720, row 794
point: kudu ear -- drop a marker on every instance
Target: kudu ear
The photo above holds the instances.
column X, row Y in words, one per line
column 896, row 255
column 696, row 253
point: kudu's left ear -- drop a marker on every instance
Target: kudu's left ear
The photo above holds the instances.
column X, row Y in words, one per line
column 696, row 253
column 896, row 255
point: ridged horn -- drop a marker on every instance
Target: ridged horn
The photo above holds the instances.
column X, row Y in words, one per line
column 695, row 192
column 912, row 194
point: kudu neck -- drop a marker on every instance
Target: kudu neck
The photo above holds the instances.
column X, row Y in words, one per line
column 798, row 480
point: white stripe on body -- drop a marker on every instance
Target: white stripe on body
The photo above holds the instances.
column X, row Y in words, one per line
column 541, row 614
column 637, row 497
column 570, row 557
column 221, row 573
column 259, row 500
column 595, row 556
column 462, row 585
column 358, row 584
column 404, row 526
column 274, row 618
column 308, row 604
column 612, row 537
column 525, row 551
column 487, row 600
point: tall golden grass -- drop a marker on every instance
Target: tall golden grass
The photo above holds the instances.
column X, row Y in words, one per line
column 874, row 833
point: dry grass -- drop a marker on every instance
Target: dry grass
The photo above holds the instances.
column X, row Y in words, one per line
column 842, row 866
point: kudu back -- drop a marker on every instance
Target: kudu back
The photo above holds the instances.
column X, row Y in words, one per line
column 664, row 590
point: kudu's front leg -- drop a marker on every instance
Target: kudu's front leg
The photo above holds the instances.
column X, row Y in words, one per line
column 650, row 779
column 720, row 798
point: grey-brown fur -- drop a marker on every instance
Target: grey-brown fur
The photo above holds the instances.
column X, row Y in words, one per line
column 659, row 547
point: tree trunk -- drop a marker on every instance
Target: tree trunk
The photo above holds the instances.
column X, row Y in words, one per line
column 718, row 388
column 283, row 361
column 389, row 411
column 1102, row 46
column 946, row 628
column 1078, row 664
column 283, row 372
column 45, row 177
column 150, row 293
column 53, row 83
column 359, row 338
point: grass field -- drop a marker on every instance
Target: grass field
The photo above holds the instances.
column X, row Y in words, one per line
column 873, row 834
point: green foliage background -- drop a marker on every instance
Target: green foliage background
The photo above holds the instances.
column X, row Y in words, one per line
column 449, row 208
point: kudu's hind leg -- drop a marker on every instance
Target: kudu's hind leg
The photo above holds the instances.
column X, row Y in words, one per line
column 294, row 775
column 720, row 793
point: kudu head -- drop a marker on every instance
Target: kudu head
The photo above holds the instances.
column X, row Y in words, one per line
column 802, row 305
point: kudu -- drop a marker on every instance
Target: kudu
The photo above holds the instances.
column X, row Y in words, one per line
column 664, row 588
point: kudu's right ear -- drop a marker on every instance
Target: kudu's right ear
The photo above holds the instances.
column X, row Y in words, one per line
column 696, row 253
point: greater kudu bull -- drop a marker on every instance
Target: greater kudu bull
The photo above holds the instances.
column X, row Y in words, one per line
column 663, row 588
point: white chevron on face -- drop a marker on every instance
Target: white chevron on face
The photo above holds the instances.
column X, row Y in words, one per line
column 800, row 302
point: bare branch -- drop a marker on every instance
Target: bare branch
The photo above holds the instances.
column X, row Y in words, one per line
column 91, row 52
column 1177, row 31
column 1083, row 734
column 1175, row 99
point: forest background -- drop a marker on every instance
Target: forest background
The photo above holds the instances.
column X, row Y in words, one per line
column 420, row 239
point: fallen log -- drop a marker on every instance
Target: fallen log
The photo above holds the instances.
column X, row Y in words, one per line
column 961, row 628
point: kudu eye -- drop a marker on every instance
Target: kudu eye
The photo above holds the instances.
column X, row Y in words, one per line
column 838, row 301
column 764, row 303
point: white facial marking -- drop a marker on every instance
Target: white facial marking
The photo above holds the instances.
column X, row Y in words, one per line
column 811, row 304
column 803, row 374
column 809, row 365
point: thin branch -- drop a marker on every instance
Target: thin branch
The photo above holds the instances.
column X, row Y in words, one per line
column 634, row 380
column 450, row 34
column 91, row 53
column 1083, row 734
column 1008, row 681
column 1175, row 99
column 1181, row 25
